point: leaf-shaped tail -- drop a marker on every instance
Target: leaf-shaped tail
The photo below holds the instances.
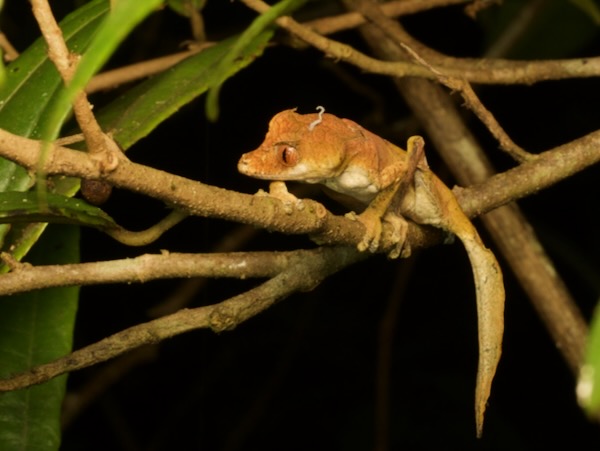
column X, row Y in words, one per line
column 489, row 288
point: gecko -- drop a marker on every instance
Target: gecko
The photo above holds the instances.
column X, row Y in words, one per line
column 387, row 184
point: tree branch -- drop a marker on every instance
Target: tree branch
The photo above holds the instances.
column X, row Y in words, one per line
column 304, row 273
column 25, row 277
column 484, row 71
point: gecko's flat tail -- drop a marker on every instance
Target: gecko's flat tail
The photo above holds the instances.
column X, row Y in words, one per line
column 489, row 288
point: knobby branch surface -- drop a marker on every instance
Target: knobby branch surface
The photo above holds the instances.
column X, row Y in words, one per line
column 509, row 228
column 303, row 273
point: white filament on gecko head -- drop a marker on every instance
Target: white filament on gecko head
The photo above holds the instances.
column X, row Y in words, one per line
column 316, row 122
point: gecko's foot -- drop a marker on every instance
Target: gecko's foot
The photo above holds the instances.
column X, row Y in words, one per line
column 278, row 190
column 372, row 236
column 373, row 231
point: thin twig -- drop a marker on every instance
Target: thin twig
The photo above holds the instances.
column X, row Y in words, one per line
column 327, row 25
column 99, row 144
column 66, row 63
column 349, row 20
column 9, row 52
column 113, row 78
column 474, row 104
column 151, row 234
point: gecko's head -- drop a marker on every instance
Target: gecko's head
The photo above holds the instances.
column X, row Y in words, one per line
column 305, row 147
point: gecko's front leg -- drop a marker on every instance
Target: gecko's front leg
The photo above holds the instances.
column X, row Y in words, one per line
column 279, row 190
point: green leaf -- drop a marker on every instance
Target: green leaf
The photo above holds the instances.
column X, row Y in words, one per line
column 246, row 39
column 141, row 109
column 19, row 207
column 588, row 385
column 36, row 328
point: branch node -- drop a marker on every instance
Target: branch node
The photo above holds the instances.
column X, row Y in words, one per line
column 108, row 156
column 222, row 319
column 10, row 261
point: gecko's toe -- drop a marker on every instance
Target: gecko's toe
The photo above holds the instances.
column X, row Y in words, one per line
column 399, row 232
column 371, row 238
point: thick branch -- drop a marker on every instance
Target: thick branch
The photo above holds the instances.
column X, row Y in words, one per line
column 209, row 201
column 194, row 197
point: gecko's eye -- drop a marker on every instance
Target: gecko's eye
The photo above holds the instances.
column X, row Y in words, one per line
column 288, row 155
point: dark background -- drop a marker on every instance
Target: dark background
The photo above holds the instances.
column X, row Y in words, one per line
column 303, row 374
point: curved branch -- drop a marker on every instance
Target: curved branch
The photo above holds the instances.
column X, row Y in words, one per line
column 304, row 274
column 484, row 71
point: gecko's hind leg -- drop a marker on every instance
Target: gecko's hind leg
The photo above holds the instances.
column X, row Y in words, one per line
column 399, row 225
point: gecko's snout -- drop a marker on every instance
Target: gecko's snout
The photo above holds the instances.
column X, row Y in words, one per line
column 243, row 164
